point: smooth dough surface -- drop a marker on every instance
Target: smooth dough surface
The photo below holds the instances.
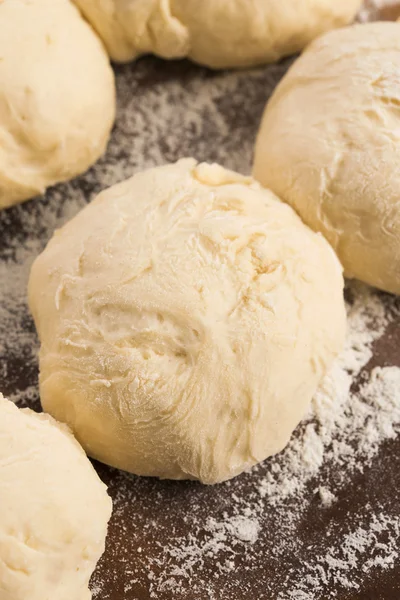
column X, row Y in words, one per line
column 57, row 96
column 329, row 145
column 54, row 509
column 216, row 33
column 186, row 317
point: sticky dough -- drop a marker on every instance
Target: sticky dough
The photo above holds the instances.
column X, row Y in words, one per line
column 54, row 509
column 329, row 145
column 216, row 33
column 57, row 96
column 186, row 317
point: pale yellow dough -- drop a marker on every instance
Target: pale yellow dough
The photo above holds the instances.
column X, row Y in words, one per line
column 186, row 318
column 54, row 509
column 329, row 145
column 217, row 33
column 57, row 97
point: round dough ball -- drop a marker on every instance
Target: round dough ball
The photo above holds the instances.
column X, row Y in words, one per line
column 54, row 509
column 216, row 33
column 329, row 145
column 186, row 317
column 57, row 96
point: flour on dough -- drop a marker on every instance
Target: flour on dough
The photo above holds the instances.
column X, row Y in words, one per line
column 186, row 317
column 57, row 96
column 329, row 145
column 54, row 509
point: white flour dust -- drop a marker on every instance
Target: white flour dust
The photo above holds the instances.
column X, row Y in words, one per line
column 342, row 432
column 346, row 565
column 355, row 411
column 341, row 426
column 260, row 517
column 341, row 435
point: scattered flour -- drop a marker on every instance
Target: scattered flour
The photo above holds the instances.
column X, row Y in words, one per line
column 355, row 410
column 345, row 565
column 221, row 537
column 326, row 496
column 342, row 426
column 224, row 543
column 352, row 414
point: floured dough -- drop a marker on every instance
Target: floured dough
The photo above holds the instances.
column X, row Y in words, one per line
column 57, row 97
column 217, row 33
column 53, row 509
column 329, row 145
column 186, row 317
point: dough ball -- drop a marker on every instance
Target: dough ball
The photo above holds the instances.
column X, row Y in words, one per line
column 54, row 509
column 57, row 98
column 216, row 33
column 329, row 145
column 186, row 317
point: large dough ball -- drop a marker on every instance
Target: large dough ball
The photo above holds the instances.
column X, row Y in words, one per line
column 329, row 145
column 186, row 317
column 57, row 98
column 217, row 33
column 54, row 509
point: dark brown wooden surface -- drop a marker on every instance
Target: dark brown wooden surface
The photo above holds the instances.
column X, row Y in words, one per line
column 149, row 513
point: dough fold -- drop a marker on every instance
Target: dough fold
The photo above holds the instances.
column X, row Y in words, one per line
column 186, row 317
column 57, row 96
column 329, row 145
column 54, row 509
column 215, row 33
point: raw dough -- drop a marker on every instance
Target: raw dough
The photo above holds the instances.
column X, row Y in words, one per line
column 57, row 97
column 54, row 509
column 217, row 33
column 186, row 317
column 329, row 145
